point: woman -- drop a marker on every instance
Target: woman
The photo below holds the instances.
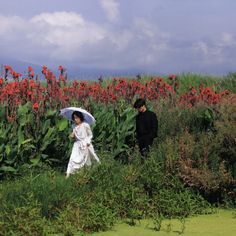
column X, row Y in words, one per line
column 82, row 150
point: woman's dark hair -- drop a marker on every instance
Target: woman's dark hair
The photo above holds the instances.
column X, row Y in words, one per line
column 139, row 103
column 78, row 114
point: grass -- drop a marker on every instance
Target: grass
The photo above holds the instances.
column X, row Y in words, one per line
column 222, row 223
column 94, row 199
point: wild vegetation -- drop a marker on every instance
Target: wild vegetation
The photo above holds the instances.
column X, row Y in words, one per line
column 190, row 169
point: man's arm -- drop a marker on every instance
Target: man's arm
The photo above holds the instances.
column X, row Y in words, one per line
column 154, row 125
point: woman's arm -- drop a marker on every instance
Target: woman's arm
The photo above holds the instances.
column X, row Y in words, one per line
column 89, row 134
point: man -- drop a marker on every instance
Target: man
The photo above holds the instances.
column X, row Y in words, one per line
column 146, row 126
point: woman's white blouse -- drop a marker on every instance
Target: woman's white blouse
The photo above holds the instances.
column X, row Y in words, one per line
column 83, row 134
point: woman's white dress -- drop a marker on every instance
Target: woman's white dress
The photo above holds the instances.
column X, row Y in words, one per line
column 82, row 150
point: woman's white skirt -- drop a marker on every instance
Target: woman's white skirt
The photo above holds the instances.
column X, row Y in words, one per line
column 80, row 156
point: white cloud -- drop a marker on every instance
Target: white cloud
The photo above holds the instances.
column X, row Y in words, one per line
column 213, row 52
column 146, row 30
column 11, row 25
column 201, row 47
column 121, row 39
column 63, row 19
column 152, row 42
column 66, row 29
column 227, row 39
column 67, row 36
column 111, row 8
column 49, row 34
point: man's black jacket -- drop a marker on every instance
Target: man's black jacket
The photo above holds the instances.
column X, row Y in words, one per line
column 146, row 128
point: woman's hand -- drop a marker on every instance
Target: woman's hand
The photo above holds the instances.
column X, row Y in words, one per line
column 72, row 135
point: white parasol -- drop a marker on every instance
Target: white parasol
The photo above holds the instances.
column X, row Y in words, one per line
column 67, row 113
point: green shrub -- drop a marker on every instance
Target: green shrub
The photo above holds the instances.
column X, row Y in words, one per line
column 23, row 220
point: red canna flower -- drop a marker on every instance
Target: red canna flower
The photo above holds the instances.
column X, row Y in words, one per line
column 172, row 77
column 8, row 68
column 30, row 68
column 60, row 68
column 36, row 106
column 62, row 78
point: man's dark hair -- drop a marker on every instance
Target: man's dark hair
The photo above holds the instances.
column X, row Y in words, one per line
column 139, row 103
column 78, row 114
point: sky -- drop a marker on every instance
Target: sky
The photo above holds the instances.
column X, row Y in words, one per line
column 162, row 36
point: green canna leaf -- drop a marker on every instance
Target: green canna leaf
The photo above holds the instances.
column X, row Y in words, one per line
column 62, row 124
column 7, row 169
